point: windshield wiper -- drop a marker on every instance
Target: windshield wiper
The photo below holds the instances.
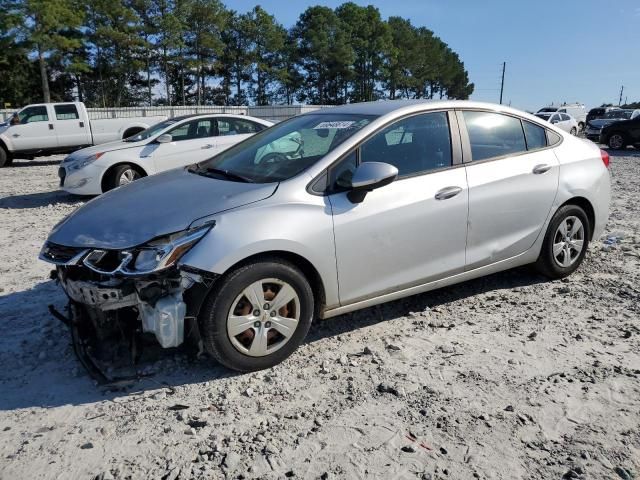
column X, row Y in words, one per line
column 223, row 173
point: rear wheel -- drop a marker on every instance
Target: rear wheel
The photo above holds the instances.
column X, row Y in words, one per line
column 257, row 316
column 574, row 131
column 565, row 243
column 121, row 175
column 616, row 141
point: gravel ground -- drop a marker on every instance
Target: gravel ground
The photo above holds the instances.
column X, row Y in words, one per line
column 510, row 376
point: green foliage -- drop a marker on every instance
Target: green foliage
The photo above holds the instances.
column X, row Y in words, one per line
column 137, row 52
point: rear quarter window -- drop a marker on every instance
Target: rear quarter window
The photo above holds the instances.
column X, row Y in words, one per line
column 493, row 135
column 535, row 135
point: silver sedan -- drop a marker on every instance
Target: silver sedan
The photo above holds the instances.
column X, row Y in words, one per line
column 324, row 214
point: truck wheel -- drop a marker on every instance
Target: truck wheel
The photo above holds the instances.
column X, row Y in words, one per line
column 121, row 175
column 257, row 315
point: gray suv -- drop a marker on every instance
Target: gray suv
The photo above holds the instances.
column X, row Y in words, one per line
column 324, row 214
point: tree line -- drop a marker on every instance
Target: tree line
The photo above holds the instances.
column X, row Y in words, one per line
column 199, row 52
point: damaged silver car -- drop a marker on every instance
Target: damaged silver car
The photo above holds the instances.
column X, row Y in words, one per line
column 320, row 215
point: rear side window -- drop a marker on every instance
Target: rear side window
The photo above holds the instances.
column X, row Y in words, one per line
column 237, row 126
column 66, row 112
column 494, row 135
column 413, row 145
column 535, row 135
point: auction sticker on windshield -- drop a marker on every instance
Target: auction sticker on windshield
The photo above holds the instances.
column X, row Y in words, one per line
column 342, row 124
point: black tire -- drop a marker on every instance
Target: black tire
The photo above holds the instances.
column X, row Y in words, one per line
column 217, row 305
column 546, row 263
column 617, row 141
column 113, row 177
column 573, row 131
column 5, row 159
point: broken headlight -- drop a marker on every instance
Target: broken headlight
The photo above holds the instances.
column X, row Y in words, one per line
column 157, row 255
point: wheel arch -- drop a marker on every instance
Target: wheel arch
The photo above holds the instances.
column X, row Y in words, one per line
column 306, row 267
column 586, row 205
column 109, row 171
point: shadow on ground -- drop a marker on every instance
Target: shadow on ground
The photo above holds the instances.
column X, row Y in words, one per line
column 37, row 200
column 55, row 379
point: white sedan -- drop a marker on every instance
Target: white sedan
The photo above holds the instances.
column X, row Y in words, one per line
column 170, row 144
column 561, row 120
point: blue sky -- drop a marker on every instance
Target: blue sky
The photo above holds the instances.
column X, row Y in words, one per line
column 556, row 50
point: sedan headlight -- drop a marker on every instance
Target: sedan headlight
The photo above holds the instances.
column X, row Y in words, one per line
column 157, row 255
column 83, row 162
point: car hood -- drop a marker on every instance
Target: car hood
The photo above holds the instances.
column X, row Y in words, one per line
column 103, row 147
column 603, row 122
column 152, row 207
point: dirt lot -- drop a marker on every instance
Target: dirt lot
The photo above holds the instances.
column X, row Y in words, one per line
column 505, row 377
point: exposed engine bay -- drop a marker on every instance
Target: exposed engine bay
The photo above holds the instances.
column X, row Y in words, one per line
column 114, row 313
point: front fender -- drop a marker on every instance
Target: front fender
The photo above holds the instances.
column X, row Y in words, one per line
column 304, row 229
column 5, row 140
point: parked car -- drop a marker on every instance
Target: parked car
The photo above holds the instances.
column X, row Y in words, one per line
column 386, row 200
column 618, row 135
column 599, row 112
column 54, row 128
column 576, row 110
column 561, row 120
column 170, row 144
column 594, row 127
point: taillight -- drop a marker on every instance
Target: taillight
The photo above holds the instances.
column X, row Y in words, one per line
column 605, row 158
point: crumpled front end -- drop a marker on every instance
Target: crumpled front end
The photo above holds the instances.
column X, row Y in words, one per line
column 119, row 301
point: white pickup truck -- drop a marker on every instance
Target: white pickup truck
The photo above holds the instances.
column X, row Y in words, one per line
column 52, row 128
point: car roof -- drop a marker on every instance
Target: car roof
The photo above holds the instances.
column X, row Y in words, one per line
column 385, row 107
column 191, row 116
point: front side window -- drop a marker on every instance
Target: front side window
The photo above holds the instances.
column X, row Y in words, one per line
column 494, row 135
column 237, row 126
column 152, row 131
column 192, row 130
column 286, row 149
column 66, row 112
column 33, row 114
column 413, row 145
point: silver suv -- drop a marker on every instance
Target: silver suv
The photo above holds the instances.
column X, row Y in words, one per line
column 323, row 214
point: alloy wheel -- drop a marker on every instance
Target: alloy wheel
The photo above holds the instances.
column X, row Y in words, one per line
column 616, row 141
column 128, row 176
column 568, row 241
column 264, row 317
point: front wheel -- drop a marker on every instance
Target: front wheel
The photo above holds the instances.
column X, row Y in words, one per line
column 565, row 243
column 616, row 141
column 257, row 316
column 5, row 159
column 121, row 175
column 574, row 131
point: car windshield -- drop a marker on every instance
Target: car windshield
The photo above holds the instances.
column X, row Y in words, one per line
column 284, row 150
column 152, row 131
column 548, row 109
column 622, row 114
column 544, row 116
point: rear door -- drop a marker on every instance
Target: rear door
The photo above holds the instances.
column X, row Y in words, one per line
column 70, row 130
column 35, row 131
column 193, row 141
column 409, row 232
column 513, row 179
column 234, row 130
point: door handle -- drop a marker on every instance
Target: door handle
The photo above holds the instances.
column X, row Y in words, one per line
column 542, row 168
column 15, row 135
column 447, row 192
column 51, row 126
column 204, row 147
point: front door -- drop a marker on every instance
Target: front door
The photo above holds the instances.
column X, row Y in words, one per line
column 35, row 131
column 513, row 180
column 409, row 232
column 192, row 141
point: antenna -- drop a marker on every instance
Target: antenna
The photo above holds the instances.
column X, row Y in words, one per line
column 504, row 66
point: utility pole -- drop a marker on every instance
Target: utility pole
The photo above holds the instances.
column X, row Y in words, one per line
column 621, row 90
column 504, row 65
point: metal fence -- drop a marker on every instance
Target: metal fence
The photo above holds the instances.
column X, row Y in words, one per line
column 270, row 112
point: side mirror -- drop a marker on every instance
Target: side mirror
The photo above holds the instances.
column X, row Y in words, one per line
column 554, row 121
column 15, row 120
column 369, row 176
column 164, row 138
